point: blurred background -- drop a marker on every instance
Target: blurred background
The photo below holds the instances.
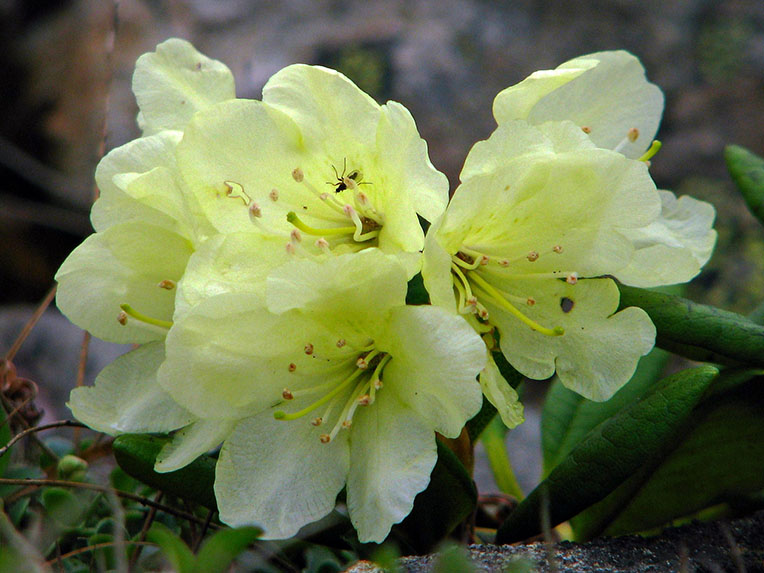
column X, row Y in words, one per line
column 65, row 97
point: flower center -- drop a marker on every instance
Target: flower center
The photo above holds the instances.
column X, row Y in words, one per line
column 467, row 266
column 340, row 397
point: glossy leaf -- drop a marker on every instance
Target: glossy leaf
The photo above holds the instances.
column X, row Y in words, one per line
column 747, row 170
column 221, row 549
column 136, row 455
column 567, row 416
column 698, row 331
column 611, row 453
column 719, row 459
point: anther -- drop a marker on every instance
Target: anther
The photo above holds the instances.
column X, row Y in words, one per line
column 532, row 256
column 298, row 175
column 287, row 394
column 504, row 263
column 166, row 284
column 531, row 301
column 290, row 248
column 341, row 342
column 308, row 349
column 572, row 278
column 292, row 366
column 274, row 194
column 363, row 199
column 255, row 211
column 317, row 421
column 378, row 384
column 347, row 423
column 325, row 438
column 557, row 249
column 122, row 317
column 586, row 129
column 295, row 235
column 362, row 363
column 633, row 134
column 484, row 260
column 364, row 400
column 322, row 243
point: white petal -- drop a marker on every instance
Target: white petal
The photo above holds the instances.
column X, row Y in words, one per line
column 673, row 248
column 126, row 397
column 436, row 269
column 598, row 352
column 393, row 452
column 436, row 357
column 176, row 81
column 191, row 442
column 277, row 475
column 499, row 393
column 122, row 265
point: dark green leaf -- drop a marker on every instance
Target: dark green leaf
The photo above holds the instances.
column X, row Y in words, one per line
column 611, row 453
column 568, row 417
column 221, row 549
column 453, row 559
column 416, row 293
column 447, row 501
column 136, row 455
column 720, row 459
column 62, row 505
column 177, row 552
column 319, row 559
column 699, row 331
column 747, row 171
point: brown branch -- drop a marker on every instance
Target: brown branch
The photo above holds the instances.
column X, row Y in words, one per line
column 104, row 489
column 30, row 324
column 33, row 429
column 98, row 546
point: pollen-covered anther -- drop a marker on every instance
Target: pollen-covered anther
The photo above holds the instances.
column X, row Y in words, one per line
column 482, row 313
column 341, row 342
column 586, row 129
column 287, row 394
column 557, row 249
column 290, row 248
column 633, row 134
column 364, row 400
column 322, row 243
column 325, row 438
column 292, row 367
column 346, row 424
column 255, row 211
column 167, row 284
column 324, row 196
column 504, row 263
column 471, row 302
column 484, row 260
column 274, row 194
column 531, row 301
column 295, row 235
column 362, row 363
column 532, row 256
column 316, row 421
column 363, row 199
column 298, row 175
column 308, row 349
column 122, row 317
column 348, row 210
column 378, row 384
column 572, row 278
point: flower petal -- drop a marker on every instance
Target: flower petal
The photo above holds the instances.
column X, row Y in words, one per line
column 191, row 442
column 436, row 356
column 275, row 474
column 605, row 92
column 598, row 352
column 122, row 265
column 674, row 247
column 393, row 452
column 127, row 398
column 499, row 393
column 176, row 81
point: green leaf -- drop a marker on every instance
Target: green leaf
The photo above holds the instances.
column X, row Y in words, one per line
column 62, row 505
column 136, row 455
column 221, row 549
column 177, row 552
column 698, row 331
column 610, row 454
column 447, row 501
column 416, row 293
column 493, row 438
column 747, row 171
column 567, row 416
column 720, row 459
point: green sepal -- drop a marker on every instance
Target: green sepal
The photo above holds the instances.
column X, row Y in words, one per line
column 698, row 331
column 136, row 455
column 747, row 171
column 610, row 454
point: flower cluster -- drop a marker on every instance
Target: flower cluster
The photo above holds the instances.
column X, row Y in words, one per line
column 259, row 253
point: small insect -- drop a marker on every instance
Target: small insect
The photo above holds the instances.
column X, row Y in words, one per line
column 355, row 175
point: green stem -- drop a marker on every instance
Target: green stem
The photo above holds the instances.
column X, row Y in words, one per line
column 498, row 458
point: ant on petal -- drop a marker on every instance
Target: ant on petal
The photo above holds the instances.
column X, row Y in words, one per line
column 343, row 180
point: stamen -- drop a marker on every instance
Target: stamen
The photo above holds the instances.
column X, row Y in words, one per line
column 295, row 235
column 317, row 421
column 322, row 244
column 167, row 284
column 281, row 415
column 292, row 367
column 586, row 129
column 655, row 147
column 557, row 249
column 130, row 311
column 501, row 301
column 633, row 134
column 295, row 220
column 255, row 212
column 122, row 317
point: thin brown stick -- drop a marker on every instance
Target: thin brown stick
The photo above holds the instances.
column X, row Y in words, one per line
column 33, row 429
column 81, row 378
column 144, row 530
column 103, row 489
column 207, row 523
column 98, row 546
column 30, row 324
